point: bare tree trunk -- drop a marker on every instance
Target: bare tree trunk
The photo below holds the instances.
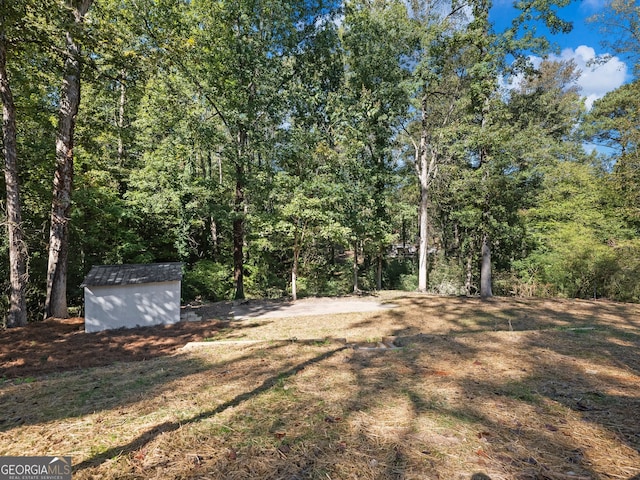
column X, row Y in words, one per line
column 17, row 315
column 379, row 272
column 214, row 238
column 356, row 287
column 469, row 274
column 240, row 213
column 485, row 268
column 56, row 301
column 423, row 249
column 426, row 164
column 120, row 122
column 294, row 272
column 238, row 235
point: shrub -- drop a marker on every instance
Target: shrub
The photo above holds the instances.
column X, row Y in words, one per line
column 446, row 276
column 208, row 280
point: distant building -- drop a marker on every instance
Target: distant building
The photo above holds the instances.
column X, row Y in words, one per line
column 408, row 250
column 128, row 296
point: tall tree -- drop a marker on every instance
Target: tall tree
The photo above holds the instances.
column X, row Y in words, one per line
column 490, row 131
column 56, row 297
column 437, row 89
column 372, row 105
column 241, row 58
column 17, row 315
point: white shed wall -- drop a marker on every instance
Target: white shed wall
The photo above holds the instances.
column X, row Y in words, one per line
column 131, row 306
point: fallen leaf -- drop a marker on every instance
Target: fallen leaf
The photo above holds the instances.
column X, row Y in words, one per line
column 481, row 453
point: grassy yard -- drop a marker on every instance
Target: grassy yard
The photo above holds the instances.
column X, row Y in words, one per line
column 511, row 388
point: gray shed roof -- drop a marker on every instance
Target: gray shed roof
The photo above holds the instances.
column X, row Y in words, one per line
column 110, row 275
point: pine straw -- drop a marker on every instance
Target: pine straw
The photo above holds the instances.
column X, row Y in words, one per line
column 456, row 400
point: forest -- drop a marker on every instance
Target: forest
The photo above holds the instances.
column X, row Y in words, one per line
column 309, row 147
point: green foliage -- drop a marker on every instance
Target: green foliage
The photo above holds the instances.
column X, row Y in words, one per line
column 197, row 115
column 623, row 282
column 446, row 276
column 613, row 122
column 207, row 281
column 577, row 235
column 399, row 274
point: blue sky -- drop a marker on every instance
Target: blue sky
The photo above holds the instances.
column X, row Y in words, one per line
column 582, row 45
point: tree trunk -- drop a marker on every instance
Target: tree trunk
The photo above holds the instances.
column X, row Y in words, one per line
column 120, row 121
column 214, row 239
column 17, row 315
column 426, row 169
column 238, row 235
column 294, row 273
column 356, row 287
column 423, row 250
column 469, row 274
column 379, row 272
column 56, row 300
column 485, row 269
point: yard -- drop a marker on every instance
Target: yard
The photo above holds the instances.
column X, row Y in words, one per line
column 435, row 388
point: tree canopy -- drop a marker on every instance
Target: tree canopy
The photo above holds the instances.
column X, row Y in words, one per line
column 280, row 147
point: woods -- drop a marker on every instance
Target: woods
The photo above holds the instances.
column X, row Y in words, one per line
column 293, row 148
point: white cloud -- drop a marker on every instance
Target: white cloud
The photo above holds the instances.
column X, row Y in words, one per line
column 596, row 78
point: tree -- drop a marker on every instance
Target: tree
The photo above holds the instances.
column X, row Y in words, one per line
column 369, row 110
column 56, row 299
column 17, row 315
column 438, row 88
column 241, row 58
column 579, row 241
column 613, row 123
column 306, row 211
column 620, row 27
column 490, row 134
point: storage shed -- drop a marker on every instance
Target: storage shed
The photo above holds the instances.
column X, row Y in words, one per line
column 128, row 296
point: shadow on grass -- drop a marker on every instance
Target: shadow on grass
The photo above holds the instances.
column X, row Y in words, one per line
column 56, row 346
column 79, row 393
column 445, row 376
column 471, row 314
column 522, row 448
column 151, row 434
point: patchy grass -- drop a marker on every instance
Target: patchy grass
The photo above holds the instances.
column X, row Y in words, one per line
column 506, row 387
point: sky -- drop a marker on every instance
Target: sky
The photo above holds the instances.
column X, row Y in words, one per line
column 582, row 45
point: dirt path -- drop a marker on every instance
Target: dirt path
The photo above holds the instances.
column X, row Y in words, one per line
column 260, row 309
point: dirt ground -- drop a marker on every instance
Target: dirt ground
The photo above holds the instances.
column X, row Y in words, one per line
column 58, row 345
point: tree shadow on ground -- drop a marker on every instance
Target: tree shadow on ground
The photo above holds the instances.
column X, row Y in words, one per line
column 523, row 405
column 55, row 346
column 166, row 427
